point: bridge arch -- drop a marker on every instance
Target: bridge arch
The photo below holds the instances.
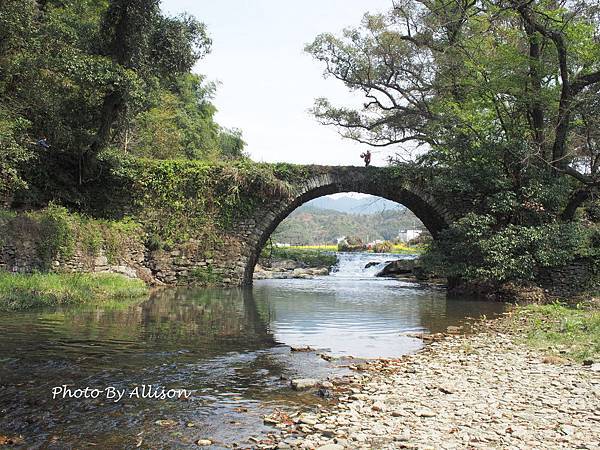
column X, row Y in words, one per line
column 341, row 179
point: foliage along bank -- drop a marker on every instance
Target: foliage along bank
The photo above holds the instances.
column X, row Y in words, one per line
column 95, row 75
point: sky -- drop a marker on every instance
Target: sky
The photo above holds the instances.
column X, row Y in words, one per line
column 267, row 83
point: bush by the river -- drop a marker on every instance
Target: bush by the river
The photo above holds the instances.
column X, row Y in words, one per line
column 25, row 291
column 351, row 244
column 383, row 247
column 478, row 248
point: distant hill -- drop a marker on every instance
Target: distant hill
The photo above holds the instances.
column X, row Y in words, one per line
column 308, row 225
column 354, row 205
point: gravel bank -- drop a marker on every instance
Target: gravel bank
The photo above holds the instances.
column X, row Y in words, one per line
column 476, row 392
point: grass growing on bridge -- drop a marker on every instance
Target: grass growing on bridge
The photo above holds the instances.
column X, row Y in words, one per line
column 25, row 291
column 561, row 330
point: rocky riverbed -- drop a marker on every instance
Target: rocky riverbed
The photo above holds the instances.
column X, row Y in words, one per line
column 484, row 391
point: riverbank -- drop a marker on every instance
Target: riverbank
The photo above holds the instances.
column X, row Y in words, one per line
column 26, row 291
column 294, row 262
column 487, row 390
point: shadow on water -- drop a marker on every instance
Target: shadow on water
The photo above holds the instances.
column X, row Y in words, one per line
column 229, row 346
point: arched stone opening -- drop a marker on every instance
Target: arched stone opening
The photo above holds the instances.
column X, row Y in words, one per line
column 266, row 221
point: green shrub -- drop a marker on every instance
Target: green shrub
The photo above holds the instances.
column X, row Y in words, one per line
column 351, row 244
column 91, row 238
column 476, row 248
column 204, row 275
column 116, row 235
column 56, row 235
column 15, row 151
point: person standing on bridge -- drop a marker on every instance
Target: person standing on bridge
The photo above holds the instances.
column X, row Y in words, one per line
column 366, row 156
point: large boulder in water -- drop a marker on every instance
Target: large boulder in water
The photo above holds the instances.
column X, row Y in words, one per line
column 372, row 263
column 399, row 267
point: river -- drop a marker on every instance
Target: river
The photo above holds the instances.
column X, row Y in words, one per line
column 229, row 347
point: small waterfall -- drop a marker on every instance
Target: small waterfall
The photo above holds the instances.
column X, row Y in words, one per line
column 353, row 265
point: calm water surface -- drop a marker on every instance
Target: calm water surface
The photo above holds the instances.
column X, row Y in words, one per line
column 231, row 347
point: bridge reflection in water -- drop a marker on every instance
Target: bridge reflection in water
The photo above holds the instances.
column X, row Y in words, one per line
column 223, row 344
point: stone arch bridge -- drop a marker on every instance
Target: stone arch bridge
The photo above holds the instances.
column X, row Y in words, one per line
column 232, row 261
column 264, row 201
column 408, row 189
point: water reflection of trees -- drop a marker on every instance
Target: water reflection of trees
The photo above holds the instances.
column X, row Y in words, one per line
column 213, row 314
column 212, row 322
column 211, row 318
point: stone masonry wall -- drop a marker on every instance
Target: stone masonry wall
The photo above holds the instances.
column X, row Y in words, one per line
column 186, row 263
column 22, row 256
column 582, row 275
column 192, row 263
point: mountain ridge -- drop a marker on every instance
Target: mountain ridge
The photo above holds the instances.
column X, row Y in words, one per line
column 367, row 204
column 311, row 225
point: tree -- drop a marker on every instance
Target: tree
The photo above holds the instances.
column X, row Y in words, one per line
column 500, row 97
column 506, row 83
column 144, row 45
column 179, row 123
column 232, row 143
column 88, row 75
column 14, row 153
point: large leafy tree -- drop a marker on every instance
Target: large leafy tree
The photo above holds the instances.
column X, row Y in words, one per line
column 458, row 76
column 139, row 40
column 500, row 96
column 179, row 123
column 92, row 75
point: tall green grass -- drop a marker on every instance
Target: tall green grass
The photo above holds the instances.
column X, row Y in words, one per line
column 25, row 291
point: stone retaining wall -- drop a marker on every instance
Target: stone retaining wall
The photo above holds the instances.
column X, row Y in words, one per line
column 582, row 275
column 22, row 256
column 192, row 263
column 186, row 263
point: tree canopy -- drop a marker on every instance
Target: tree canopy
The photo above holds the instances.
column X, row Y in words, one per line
column 503, row 95
column 93, row 76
